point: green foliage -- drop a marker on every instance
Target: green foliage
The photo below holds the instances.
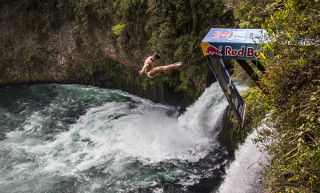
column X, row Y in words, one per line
column 291, row 106
column 141, row 28
column 117, row 29
column 136, row 29
column 174, row 28
column 39, row 16
column 252, row 13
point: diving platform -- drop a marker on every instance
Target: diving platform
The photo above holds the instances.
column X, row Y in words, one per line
column 242, row 45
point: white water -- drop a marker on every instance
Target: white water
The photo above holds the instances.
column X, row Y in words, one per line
column 243, row 175
column 114, row 146
column 74, row 138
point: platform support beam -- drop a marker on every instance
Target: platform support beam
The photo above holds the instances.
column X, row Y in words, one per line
column 246, row 67
column 259, row 66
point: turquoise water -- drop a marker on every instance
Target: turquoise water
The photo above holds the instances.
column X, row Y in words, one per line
column 74, row 138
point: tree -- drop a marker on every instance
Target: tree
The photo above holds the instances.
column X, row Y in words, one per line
column 292, row 79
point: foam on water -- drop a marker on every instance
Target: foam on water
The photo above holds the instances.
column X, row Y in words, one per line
column 243, row 175
column 92, row 140
column 202, row 118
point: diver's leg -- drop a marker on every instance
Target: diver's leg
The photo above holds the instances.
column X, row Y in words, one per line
column 155, row 71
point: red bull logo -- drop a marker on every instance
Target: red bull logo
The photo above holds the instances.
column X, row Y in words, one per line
column 211, row 50
column 229, row 52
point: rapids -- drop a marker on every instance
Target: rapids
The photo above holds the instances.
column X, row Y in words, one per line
column 74, row 138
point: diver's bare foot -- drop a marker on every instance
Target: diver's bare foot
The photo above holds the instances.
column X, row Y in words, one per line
column 177, row 64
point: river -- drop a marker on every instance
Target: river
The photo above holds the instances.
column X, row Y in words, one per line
column 75, row 138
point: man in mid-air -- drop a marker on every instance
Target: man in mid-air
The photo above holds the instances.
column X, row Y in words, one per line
column 151, row 71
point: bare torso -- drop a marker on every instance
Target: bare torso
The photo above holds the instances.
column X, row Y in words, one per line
column 149, row 64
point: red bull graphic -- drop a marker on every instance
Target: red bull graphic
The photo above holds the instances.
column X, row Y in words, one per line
column 229, row 52
column 233, row 52
column 238, row 44
column 251, row 52
column 219, row 34
column 213, row 50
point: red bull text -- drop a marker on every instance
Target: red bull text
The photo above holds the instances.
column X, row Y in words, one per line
column 229, row 51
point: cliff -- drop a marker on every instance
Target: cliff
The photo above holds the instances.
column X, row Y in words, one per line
column 104, row 43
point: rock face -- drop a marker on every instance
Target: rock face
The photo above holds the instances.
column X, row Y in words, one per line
column 70, row 43
column 103, row 43
column 64, row 56
column 232, row 134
